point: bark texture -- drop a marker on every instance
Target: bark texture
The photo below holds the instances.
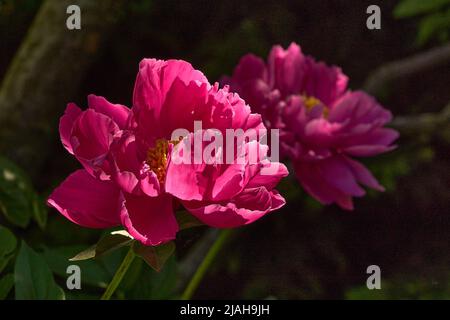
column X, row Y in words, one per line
column 45, row 73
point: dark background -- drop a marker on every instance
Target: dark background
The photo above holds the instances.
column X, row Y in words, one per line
column 305, row 250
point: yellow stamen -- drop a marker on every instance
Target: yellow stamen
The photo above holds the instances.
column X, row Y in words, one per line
column 157, row 158
column 310, row 102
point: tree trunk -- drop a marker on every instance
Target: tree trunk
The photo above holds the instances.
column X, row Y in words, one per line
column 46, row 72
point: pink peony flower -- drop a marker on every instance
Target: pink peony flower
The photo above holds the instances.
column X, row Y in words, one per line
column 128, row 177
column 322, row 124
column 226, row 195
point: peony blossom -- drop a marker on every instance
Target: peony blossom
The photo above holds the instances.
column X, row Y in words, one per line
column 128, row 177
column 323, row 125
column 232, row 194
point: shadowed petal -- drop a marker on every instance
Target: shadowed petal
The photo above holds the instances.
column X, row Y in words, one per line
column 66, row 124
column 87, row 201
column 149, row 219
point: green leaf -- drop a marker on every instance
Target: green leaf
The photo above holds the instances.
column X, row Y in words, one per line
column 6, row 284
column 40, row 211
column 410, row 8
column 33, row 278
column 164, row 282
column 155, row 257
column 110, row 242
column 94, row 272
column 432, row 25
column 186, row 220
column 16, row 194
column 86, row 254
column 8, row 244
column 155, row 285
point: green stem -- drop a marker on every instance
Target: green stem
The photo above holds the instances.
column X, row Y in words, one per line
column 118, row 276
column 206, row 263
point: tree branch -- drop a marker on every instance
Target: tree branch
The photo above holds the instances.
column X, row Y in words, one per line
column 425, row 123
column 415, row 64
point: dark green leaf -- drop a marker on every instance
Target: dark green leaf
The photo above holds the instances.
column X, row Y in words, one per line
column 186, row 220
column 33, row 278
column 108, row 243
column 410, row 8
column 40, row 211
column 94, row 272
column 6, row 284
column 155, row 257
column 16, row 194
column 155, row 285
column 86, row 254
column 164, row 282
column 432, row 25
column 8, row 244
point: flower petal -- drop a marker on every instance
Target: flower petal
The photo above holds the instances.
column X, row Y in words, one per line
column 311, row 178
column 247, row 207
column 286, row 69
column 66, row 124
column 326, row 83
column 367, row 150
column 363, row 175
column 154, row 80
column 272, row 173
column 149, row 220
column 87, row 201
column 91, row 138
column 335, row 171
column 116, row 112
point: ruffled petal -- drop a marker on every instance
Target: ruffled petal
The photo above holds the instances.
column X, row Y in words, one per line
column 117, row 112
column 247, row 207
column 154, row 80
column 287, row 69
column 91, row 138
column 66, row 124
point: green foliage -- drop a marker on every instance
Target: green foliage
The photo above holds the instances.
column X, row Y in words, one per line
column 8, row 244
column 436, row 24
column 19, row 202
column 416, row 288
column 40, row 210
column 108, row 243
column 151, row 284
column 15, row 194
column 95, row 272
column 435, row 18
column 6, row 284
column 390, row 167
column 155, row 257
column 33, row 278
column 410, row 8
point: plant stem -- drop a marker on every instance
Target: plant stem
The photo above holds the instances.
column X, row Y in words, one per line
column 118, row 276
column 206, row 263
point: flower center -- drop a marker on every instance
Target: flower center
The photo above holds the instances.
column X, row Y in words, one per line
column 310, row 102
column 157, row 158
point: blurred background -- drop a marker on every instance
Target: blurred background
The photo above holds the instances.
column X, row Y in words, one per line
column 305, row 250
